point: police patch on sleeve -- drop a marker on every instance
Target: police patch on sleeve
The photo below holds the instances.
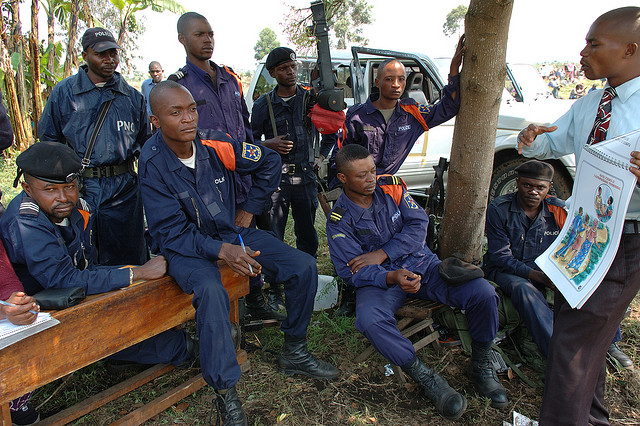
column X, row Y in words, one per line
column 333, row 237
column 251, row 152
column 424, row 109
column 410, row 201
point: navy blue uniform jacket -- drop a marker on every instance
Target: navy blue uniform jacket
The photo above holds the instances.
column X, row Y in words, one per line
column 193, row 215
column 43, row 258
column 395, row 224
column 513, row 245
column 70, row 115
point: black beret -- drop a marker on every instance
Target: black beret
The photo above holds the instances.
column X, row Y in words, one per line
column 49, row 161
column 534, row 169
column 278, row 56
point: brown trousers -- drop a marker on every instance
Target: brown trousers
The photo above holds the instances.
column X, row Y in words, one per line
column 576, row 366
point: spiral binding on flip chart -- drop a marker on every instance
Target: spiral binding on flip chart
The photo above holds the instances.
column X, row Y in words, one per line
column 604, row 157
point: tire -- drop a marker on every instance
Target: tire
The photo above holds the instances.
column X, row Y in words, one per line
column 503, row 180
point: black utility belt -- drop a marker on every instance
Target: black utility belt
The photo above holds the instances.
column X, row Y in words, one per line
column 108, row 171
column 631, row 227
column 292, row 169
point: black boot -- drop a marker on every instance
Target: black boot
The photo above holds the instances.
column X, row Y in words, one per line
column 484, row 377
column 229, row 408
column 296, row 359
column 275, row 298
column 258, row 309
column 448, row 402
column 347, row 301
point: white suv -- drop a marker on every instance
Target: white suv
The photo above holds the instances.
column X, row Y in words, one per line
column 526, row 100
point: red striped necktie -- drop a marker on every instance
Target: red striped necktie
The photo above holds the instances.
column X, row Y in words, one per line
column 601, row 125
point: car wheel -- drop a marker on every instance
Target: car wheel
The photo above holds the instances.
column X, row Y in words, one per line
column 503, row 180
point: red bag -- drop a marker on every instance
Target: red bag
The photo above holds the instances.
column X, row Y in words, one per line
column 329, row 122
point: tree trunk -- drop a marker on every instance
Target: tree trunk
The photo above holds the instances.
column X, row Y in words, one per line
column 73, row 35
column 482, row 83
column 11, row 94
column 51, row 40
column 35, row 68
column 16, row 45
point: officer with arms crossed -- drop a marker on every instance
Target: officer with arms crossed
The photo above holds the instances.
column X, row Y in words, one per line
column 97, row 104
column 576, row 368
column 376, row 235
column 186, row 176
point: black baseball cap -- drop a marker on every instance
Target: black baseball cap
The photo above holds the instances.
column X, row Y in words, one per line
column 278, row 56
column 52, row 162
column 99, row 39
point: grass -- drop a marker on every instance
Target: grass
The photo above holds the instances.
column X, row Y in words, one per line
column 363, row 395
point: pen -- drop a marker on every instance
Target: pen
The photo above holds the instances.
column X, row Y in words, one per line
column 2, row 302
column 245, row 250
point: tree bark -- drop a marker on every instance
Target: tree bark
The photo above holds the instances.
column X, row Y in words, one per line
column 16, row 45
column 73, row 35
column 51, row 39
column 35, row 69
column 482, row 83
column 11, row 94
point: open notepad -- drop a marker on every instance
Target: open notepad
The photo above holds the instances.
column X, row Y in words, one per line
column 11, row 333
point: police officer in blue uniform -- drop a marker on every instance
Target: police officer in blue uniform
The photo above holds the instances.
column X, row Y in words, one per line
column 376, row 235
column 46, row 232
column 186, row 177
column 520, row 227
column 221, row 106
column 293, row 138
column 389, row 126
column 71, row 116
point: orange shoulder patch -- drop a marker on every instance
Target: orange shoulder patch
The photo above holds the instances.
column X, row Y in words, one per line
column 225, row 152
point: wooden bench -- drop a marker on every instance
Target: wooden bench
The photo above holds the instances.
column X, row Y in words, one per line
column 102, row 325
column 412, row 317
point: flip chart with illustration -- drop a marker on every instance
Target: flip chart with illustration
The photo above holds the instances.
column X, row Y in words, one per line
column 580, row 257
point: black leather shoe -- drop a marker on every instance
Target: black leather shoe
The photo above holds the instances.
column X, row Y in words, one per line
column 193, row 348
column 258, row 309
column 296, row 359
column 25, row 416
column 228, row 408
column 484, row 378
column 448, row 402
column 275, row 298
column 616, row 354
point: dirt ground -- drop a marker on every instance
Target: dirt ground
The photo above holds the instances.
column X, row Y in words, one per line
column 363, row 395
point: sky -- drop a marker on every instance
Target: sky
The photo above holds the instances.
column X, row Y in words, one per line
column 540, row 30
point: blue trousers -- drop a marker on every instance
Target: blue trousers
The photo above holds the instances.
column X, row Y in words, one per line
column 532, row 307
column 298, row 272
column 375, row 309
column 303, row 200
column 118, row 222
column 169, row 347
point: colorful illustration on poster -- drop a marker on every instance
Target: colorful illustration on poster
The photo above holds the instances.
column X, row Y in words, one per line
column 583, row 246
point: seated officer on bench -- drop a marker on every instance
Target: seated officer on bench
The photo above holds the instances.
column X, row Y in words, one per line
column 46, row 230
column 376, row 235
column 186, row 178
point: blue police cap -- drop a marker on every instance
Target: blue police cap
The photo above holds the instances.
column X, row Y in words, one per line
column 49, row 161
